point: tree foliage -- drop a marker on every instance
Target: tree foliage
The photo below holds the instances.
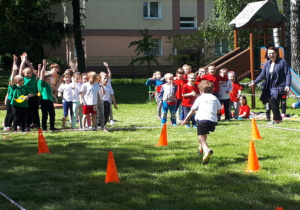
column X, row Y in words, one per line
column 144, row 50
column 196, row 48
column 27, row 25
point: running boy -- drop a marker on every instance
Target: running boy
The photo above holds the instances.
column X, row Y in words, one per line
column 207, row 106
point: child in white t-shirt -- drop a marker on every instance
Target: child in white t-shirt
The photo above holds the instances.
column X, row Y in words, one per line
column 89, row 96
column 107, row 97
column 65, row 91
column 207, row 106
column 77, row 108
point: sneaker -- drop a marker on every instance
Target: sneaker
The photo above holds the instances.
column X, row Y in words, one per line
column 206, row 157
column 112, row 122
column 174, row 124
column 200, row 150
column 19, row 128
column 105, row 129
column 4, row 129
column 293, row 105
column 94, row 129
column 194, row 126
column 27, row 129
column 8, row 128
column 188, row 126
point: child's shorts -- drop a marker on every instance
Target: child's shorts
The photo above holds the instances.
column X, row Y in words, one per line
column 205, row 126
column 89, row 109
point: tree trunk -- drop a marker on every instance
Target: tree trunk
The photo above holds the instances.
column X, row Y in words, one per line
column 78, row 36
column 287, row 15
column 295, row 27
column 275, row 30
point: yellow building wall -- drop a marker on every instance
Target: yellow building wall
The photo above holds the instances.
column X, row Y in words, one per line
column 117, row 46
column 188, row 8
column 125, row 14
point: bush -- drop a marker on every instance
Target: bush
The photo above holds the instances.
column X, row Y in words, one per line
column 6, row 62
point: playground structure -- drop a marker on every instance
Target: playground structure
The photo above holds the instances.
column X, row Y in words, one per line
column 261, row 14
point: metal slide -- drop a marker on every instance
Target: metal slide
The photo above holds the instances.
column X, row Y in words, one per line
column 295, row 86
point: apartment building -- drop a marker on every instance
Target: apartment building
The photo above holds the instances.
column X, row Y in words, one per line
column 110, row 25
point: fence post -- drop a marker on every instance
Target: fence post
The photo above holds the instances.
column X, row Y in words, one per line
column 132, row 68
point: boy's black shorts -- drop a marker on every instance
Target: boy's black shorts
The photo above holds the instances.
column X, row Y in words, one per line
column 205, row 126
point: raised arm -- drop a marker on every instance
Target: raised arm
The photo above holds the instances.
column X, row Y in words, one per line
column 43, row 71
column 109, row 74
column 15, row 69
column 23, row 62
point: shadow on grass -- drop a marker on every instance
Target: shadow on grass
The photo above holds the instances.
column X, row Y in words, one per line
column 72, row 177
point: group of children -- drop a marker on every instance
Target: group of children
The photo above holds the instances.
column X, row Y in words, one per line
column 180, row 92
column 200, row 96
column 86, row 98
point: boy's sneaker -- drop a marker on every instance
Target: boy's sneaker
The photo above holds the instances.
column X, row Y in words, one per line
column 174, row 124
column 4, row 129
column 293, row 105
column 19, row 128
column 94, row 129
column 206, row 156
column 27, row 129
column 188, row 126
column 105, row 129
column 8, row 128
column 112, row 122
column 200, row 150
column 194, row 126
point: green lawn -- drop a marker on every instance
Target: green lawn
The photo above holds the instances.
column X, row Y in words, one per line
column 151, row 177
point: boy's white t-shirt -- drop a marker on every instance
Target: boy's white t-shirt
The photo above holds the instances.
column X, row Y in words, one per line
column 207, row 106
column 66, row 89
column 108, row 91
column 90, row 93
column 76, row 91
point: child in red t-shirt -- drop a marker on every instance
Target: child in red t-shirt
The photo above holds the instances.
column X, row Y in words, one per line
column 234, row 94
column 244, row 108
column 187, row 70
column 190, row 92
column 180, row 82
column 201, row 73
column 213, row 77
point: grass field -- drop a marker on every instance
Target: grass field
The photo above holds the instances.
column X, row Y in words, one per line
column 151, row 177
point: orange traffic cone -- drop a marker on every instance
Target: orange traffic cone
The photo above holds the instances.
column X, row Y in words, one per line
column 111, row 171
column 42, row 145
column 252, row 165
column 163, row 136
column 255, row 132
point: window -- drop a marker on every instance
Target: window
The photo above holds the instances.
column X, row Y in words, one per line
column 152, row 10
column 187, row 23
column 157, row 49
column 221, row 47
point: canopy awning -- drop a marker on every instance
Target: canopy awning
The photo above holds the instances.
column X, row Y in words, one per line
column 264, row 11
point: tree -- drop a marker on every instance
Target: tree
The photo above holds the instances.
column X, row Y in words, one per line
column 27, row 26
column 196, row 48
column 287, row 15
column 145, row 51
column 295, row 33
column 77, row 33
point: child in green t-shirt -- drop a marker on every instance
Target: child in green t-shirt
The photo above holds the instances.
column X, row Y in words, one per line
column 46, row 99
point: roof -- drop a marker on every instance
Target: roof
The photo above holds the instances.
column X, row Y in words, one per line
column 265, row 10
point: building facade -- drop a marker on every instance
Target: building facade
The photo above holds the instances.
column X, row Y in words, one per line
column 110, row 25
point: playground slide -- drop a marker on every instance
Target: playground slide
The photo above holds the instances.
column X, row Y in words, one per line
column 295, row 86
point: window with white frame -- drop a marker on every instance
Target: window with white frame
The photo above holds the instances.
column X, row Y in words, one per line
column 221, row 47
column 152, row 10
column 157, row 49
column 188, row 23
